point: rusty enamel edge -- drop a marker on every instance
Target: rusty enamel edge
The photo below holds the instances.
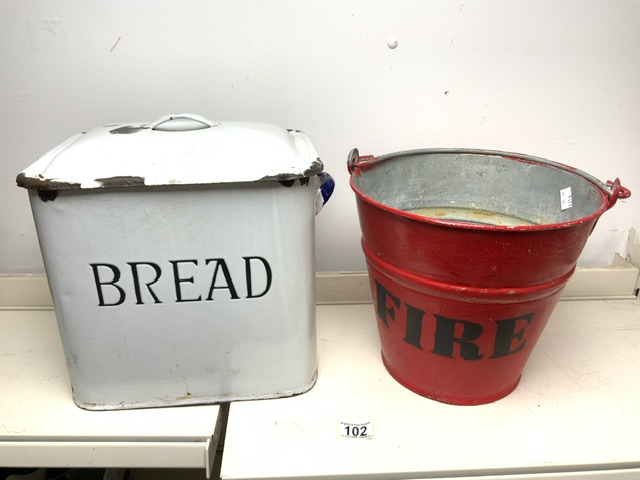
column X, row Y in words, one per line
column 40, row 183
column 194, row 156
column 32, row 183
column 22, row 180
column 35, row 183
column 316, row 167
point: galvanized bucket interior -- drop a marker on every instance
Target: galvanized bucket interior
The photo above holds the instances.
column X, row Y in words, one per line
column 480, row 188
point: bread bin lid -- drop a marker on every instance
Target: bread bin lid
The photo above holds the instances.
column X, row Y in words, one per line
column 179, row 149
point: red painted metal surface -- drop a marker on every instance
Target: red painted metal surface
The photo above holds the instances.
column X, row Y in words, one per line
column 461, row 306
column 454, row 344
column 484, row 256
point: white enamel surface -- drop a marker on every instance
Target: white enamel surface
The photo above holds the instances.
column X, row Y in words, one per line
column 178, row 151
column 40, row 405
column 205, row 346
column 41, row 427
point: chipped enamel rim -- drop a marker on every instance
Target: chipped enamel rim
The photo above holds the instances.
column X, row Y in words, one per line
column 179, row 149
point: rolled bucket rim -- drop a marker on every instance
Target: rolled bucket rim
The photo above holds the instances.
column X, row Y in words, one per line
column 609, row 192
column 462, row 292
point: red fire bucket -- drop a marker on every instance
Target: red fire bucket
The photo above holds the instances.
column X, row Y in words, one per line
column 467, row 253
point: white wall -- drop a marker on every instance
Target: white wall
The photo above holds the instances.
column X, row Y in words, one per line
column 558, row 79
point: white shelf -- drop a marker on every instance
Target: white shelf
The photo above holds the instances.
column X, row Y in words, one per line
column 575, row 414
column 40, row 426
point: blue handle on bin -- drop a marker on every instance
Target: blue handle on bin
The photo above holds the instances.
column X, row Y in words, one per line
column 324, row 189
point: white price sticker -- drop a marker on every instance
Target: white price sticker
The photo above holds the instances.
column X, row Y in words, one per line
column 355, row 430
column 565, row 198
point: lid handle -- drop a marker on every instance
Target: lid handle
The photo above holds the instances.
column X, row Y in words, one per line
column 181, row 122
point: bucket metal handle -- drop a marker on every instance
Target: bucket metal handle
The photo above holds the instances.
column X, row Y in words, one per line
column 616, row 191
column 613, row 190
column 355, row 161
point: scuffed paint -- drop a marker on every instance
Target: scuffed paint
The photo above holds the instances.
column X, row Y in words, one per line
column 44, row 32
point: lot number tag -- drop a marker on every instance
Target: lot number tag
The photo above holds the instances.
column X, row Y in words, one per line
column 355, row 430
column 566, row 200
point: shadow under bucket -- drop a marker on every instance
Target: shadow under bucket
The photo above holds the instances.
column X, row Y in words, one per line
column 467, row 253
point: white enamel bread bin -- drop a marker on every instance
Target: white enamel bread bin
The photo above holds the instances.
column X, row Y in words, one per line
column 180, row 258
